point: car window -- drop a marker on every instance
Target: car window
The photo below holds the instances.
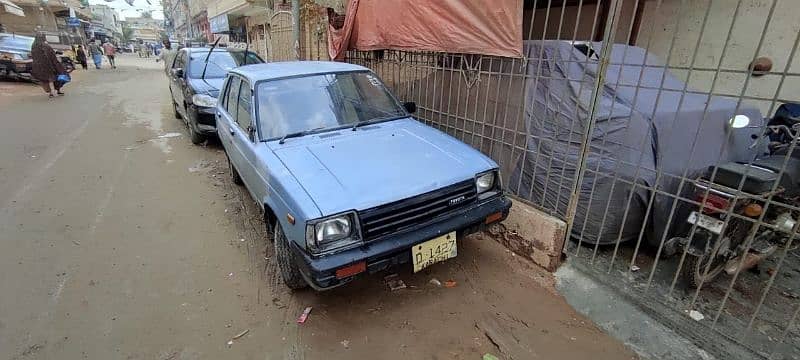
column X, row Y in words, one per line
column 178, row 64
column 322, row 101
column 16, row 42
column 224, row 92
column 219, row 63
column 233, row 94
column 245, row 105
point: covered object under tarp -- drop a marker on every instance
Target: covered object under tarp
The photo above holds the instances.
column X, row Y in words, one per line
column 645, row 124
column 463, row 26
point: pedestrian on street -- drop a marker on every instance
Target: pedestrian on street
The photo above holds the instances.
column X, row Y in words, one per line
column 97, row 54
column 110, row 51
column 80, row 55
column 46, row 66
column 167, row 56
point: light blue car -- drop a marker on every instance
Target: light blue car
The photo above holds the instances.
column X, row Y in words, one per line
column 348, row 180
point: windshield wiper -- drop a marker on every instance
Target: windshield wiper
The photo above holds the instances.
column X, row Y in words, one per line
column 203, row 76
column 372, row 121
column 298, row 134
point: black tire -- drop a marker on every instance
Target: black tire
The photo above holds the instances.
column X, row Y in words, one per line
column 196, row 137
column 235, row 174
column 175, row 111
column 283, row 255
column 695, row 267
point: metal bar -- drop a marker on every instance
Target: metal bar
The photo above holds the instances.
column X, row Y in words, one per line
column 598, row 87
column 296, row 28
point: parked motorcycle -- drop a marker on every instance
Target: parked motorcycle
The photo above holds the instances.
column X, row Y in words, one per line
column 720, row 228
column 68, row 64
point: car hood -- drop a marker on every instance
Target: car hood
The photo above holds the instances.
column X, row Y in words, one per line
column 207, row 86
column 377, row 164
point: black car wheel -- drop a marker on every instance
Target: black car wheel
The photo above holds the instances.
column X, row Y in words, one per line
column 234, row 173
column 175, row 110
column 283, row 254
column 191, row 122
column 196, row 137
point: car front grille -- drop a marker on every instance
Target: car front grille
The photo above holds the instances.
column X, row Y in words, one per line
column 403, row 214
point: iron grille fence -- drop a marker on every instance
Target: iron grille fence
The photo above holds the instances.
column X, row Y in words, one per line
column 623, row 118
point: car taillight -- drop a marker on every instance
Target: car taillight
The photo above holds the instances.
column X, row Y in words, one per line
column 713, row 203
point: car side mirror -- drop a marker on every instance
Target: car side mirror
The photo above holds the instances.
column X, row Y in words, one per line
column 177, row 72
column 410, row 106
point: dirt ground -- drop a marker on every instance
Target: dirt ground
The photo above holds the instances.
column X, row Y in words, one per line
column 121, row 240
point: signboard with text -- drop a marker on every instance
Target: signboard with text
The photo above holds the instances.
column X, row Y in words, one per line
column 219, row 24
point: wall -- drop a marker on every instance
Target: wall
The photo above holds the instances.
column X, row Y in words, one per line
column 561, row 22
column 33, row 21
column 661, row 23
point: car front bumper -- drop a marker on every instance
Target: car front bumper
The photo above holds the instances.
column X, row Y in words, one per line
column 203, row 119
column 17, row 66
column 320, row 272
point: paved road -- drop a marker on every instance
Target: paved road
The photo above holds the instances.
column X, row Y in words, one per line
column 121, row 240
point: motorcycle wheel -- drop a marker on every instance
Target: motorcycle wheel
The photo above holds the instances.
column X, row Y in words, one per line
column 695, row 267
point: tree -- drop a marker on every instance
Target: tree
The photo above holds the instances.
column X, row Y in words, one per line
column 127, row 33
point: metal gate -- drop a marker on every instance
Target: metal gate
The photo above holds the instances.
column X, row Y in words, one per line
column 281, row 46
column 626, row 119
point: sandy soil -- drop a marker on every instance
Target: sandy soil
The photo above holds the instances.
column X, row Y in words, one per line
column 121, row 240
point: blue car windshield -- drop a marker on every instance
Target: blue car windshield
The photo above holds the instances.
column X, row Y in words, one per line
column 219, row 63
column 323, row 101
column 16, row 42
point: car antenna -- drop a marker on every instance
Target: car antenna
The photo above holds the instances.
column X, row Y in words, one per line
column 203, row 76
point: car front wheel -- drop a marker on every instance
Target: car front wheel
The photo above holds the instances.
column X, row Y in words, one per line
column 283, row 254
column 175, row 111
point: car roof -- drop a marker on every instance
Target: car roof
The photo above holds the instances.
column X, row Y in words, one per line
column 205, row 49
column 276, row 70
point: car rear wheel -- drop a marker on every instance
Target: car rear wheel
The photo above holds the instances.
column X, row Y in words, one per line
column 283, row 254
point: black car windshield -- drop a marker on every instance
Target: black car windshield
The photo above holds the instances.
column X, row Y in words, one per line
column 219, row 63
column 323, row 101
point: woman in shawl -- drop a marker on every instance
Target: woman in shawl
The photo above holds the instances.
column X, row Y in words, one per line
column 81, row 57
column 46, row 66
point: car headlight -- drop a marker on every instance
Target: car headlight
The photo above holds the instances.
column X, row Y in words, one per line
column 485, row 182
column 204, row 100
column 11, row 56
column 332, row 233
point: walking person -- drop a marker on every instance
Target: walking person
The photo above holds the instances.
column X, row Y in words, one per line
column 97, row 54
column 80, row 55
column 110, row 51
column 167, row 56
column 46, row 66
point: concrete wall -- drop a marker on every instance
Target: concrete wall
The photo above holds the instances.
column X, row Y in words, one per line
column 573, row 22
column 33, row 21
column 660, row 24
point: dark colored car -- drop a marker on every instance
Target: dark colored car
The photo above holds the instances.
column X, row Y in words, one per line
column 195, row 77
column 15, row 55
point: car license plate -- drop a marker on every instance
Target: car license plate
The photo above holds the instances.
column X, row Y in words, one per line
column 706, row 222
column 433, row 251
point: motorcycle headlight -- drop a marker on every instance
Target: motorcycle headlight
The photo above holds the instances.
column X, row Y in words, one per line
column 332, row 233
column 485, row 182
column 204, row 100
